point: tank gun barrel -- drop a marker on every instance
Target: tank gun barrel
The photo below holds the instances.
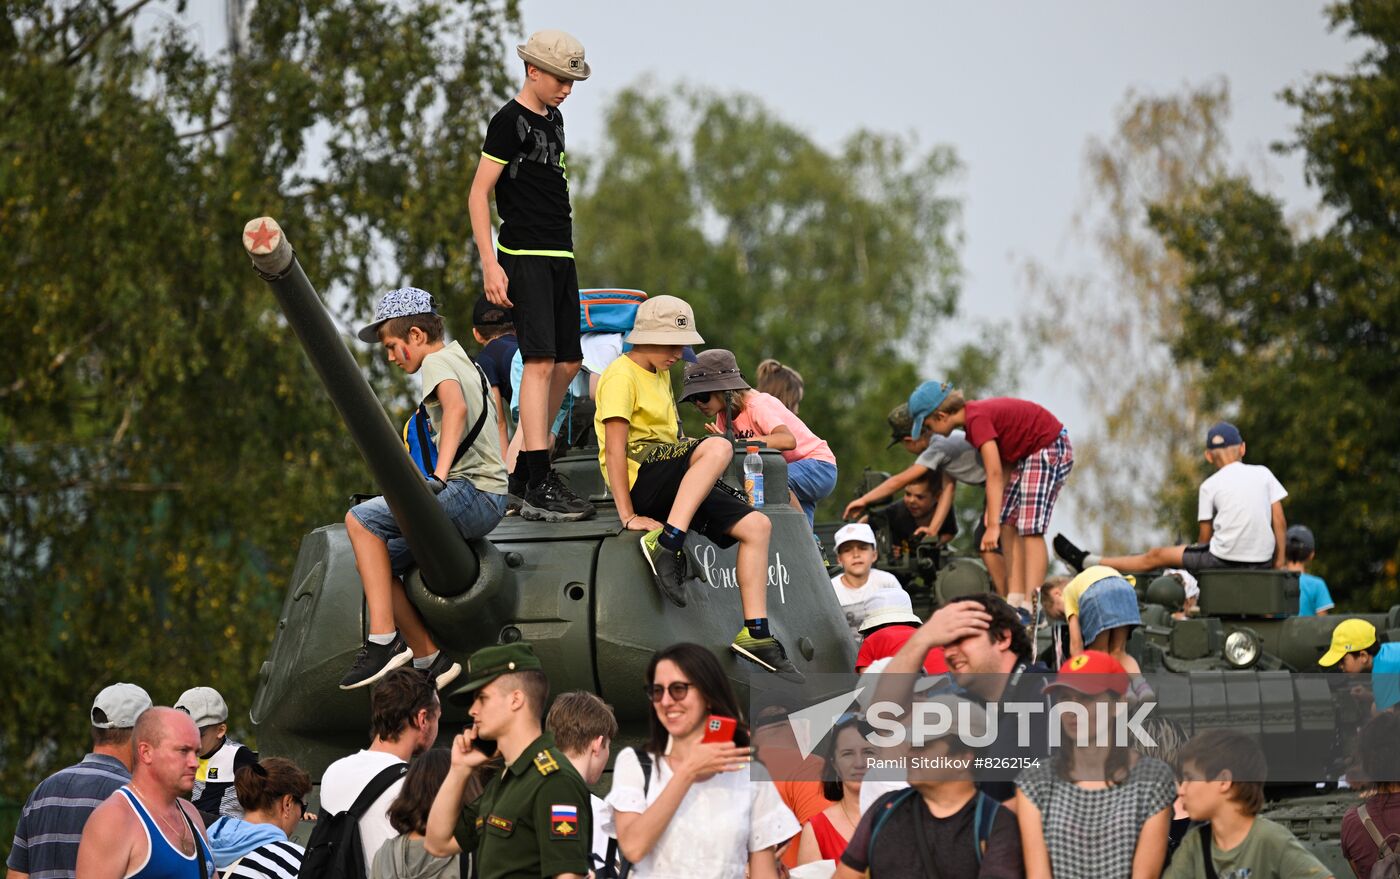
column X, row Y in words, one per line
column 448, row 564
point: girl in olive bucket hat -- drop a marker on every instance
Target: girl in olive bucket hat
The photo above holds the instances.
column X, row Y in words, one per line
column 717, row 388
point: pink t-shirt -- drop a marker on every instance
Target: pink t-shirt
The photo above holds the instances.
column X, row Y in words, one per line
column 761, row 416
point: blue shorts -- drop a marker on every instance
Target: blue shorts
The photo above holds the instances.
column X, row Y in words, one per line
column 1108, row 604
column 473, row 512
column 811, row 481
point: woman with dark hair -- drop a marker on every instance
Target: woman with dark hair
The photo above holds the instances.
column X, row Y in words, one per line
column 686, row 809
column 273, row 796
column 403, row 856
column 824, row 837
column 1097, row 810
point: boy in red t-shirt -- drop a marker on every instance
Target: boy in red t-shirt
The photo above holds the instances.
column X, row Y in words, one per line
column 1027, row 455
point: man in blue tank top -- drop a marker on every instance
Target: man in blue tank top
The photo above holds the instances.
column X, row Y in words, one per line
column 148, row 829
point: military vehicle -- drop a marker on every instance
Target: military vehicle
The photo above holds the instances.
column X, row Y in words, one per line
column 580, row 592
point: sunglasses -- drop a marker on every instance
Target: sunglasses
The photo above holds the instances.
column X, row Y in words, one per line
column 677, row 689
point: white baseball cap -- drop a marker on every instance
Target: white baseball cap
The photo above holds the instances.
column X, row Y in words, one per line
column 204, row 705
column 857, row 531
column 118, row 706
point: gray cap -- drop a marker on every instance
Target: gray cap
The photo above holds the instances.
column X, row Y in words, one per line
column 403, row 302
column 204, row 705
column 118, row 706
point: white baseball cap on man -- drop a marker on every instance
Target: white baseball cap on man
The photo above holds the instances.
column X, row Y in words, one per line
column 118, row 706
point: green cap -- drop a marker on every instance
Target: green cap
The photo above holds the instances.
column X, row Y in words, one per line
column 489, row 663
column 901, row 424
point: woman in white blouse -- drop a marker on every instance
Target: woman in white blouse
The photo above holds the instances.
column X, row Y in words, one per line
column 699, row 816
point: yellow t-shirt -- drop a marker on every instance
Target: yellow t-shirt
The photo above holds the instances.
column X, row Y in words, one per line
column 1081, row 583
column 644, row 398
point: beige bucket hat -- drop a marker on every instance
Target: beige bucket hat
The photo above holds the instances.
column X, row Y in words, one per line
column 555, row 52
column 664, row 320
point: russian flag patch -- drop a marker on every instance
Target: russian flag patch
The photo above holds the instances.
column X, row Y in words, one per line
column 563, row 821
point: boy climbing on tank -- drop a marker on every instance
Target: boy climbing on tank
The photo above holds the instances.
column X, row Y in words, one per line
column 666, row 486
column 469, row 480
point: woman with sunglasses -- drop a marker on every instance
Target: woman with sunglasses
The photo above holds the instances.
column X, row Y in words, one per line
column 273, row 796
column 824, row 837
column 695, row 813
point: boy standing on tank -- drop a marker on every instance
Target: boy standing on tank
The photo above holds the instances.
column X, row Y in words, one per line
column 469, row 480
column 530, row 267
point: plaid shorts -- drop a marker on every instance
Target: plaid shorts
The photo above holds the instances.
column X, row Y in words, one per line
column 1030, row 493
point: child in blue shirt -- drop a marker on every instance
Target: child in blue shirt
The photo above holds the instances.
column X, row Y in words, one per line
column 1299, row 549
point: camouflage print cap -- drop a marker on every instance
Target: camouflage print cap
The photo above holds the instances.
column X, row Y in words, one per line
column 901, row 424
column 489, row 663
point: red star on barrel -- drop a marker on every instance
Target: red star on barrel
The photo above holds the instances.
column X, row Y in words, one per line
column 260, row 240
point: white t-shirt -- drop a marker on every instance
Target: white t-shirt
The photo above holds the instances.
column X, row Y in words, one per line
column 853, row 601
column 342, row 784
column 1238, row 500
column 718, row 823
column 602, row 819
column 956, row 457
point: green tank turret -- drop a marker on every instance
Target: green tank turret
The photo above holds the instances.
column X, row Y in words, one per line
column 580, row 592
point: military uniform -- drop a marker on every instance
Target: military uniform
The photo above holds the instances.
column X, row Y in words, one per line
column 534, row 818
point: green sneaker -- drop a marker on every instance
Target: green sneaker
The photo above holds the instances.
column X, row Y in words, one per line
column 767, row 653
column 667, row 567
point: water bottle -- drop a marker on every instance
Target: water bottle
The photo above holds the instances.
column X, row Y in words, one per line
column 753, row 477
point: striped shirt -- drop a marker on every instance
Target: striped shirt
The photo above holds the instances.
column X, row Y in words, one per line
column 275, row 860
column 51, row 823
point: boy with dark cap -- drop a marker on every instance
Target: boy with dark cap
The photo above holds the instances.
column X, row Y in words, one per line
column 493, row 331
column 469, row 480
column 1241, row 514
column 532, row 819
column 1314, row 599
column 530, row 268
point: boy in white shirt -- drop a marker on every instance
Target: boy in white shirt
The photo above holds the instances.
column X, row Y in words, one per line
column 859, row 578
column 1241, row 516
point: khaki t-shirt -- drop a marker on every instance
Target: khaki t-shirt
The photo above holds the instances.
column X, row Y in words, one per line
column 1269, row 851
column 481, row 464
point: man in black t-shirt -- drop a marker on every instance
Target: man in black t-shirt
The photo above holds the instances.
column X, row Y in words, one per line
column 493, row 331
column 530, row 268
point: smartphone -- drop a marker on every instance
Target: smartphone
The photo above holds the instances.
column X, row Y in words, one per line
column 719, row 729
column 485, row 746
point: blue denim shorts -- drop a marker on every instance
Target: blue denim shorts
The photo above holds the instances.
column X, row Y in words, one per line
column 811, row 481
column 473, row 512
column 1108, row 604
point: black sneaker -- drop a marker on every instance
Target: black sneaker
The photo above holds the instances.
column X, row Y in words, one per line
column 766, row 653
column 374, row 661
column 667, row 567
column 1073, row 555
column 553, row 501
column 443, row 671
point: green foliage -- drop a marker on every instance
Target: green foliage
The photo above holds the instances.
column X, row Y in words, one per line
column 838, row 263
column 1300, row 335
column 163, row 441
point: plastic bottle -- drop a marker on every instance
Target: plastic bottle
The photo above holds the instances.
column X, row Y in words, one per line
column 753, row 476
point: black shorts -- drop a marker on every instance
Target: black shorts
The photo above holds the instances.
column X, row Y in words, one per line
column 544, row 293
column 658, row 480
column 1198, row 557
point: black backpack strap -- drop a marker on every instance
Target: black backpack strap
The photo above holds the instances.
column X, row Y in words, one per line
column 984, row 816
column 1206, row 860
column 470, row 439
column 644, row 759
column 376, row 788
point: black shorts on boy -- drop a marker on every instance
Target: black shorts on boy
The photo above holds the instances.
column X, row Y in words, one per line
column 658, row 481
column 544, row 293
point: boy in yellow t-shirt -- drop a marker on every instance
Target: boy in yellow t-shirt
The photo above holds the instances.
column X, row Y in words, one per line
column 665, row 485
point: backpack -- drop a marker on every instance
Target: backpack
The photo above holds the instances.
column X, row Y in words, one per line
column 608, row 311
column 983, row 817
column 334, row 850
column 614, row 865
column 418, row 432
column 1387, row 864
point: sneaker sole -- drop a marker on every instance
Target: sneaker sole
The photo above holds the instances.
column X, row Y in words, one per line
column 540, row 514
column 448, row 676
column 678, row 601
column 397, row 661
column 791, row 674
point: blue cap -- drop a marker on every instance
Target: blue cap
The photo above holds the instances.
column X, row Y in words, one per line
column 1385, row 676
column 1223, row 435
column 926, row 398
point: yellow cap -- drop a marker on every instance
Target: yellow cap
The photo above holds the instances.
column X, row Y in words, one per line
column 1349, row 637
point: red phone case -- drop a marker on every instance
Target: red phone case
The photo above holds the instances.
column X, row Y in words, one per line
column 718, row 729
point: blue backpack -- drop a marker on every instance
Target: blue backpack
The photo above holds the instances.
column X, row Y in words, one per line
column 604, row 310
column 418, row 432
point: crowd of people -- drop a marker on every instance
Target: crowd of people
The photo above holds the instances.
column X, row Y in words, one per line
column 166, row 793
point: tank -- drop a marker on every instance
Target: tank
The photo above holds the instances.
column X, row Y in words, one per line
column 580, row 592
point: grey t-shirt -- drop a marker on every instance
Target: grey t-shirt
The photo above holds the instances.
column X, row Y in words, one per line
column 956, row 457
column 481, row 464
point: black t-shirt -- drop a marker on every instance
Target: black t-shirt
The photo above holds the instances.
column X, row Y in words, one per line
column 953, row 841
column 903, row 524
column 998, row 781
column 532, row 194
column 495, row 362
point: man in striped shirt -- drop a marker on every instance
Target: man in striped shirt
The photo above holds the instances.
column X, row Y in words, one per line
column 51, row 824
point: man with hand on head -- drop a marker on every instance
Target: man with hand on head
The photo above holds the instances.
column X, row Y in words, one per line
column 534, row 819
